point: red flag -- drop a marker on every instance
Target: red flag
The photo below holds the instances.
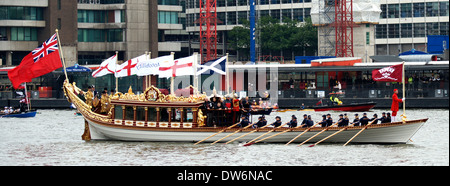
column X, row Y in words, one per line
column 390, row 74
column 39, row 62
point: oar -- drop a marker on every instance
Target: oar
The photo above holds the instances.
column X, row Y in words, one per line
column 217, row 133
column 247, row 134
column 317, row 134
column 359, row 133
column 288, row 130
column 252, row 142
column 330, row 136
column 301, row 134
column 249, row 125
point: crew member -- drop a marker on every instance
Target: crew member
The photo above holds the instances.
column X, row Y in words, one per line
column 293, row 122
column 374, row 119
column 244, row 122
column 309, row 122
column 395, row 103
column 388, row 117
column 305, row 119
column 260, row 123
column 89, row 96
column 329, row 120
column 105, row 102
column 383, row 118
column 364, row 120
column 277, row 123
column 356, row 122
column 346, row 120
column 335, row 100
column 323, row 123
column 341, row 120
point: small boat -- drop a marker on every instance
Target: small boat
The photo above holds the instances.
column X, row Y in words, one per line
column 28, row 114
column 155, row 117
column 353, row 107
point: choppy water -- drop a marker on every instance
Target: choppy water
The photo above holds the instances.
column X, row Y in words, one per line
column 53, row 137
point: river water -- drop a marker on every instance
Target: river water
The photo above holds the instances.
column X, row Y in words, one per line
column 53, row 137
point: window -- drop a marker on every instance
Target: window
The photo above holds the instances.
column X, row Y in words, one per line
column 381, row 31
column 367, row 38
column 419, row 29
column 393, row 10
column 406, row 30
column 443, row 8
column 23, row 34
column 115, row 35
column 419, row 9
column 432, row 9
column 393, row 31
column 21, row 13
column 432, row 28
column 165, row 17
column 406, row 10
column 231, row 20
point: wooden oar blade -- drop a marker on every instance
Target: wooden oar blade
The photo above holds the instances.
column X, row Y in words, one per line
column 312, row 145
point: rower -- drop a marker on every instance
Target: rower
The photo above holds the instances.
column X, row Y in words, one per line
column 375, row 119
column 277, row 123
column 323, row 123
column 388, row 117
column 329, row 120
column 364, row 120
column 244, row 121
column 259, row 124
column 383, row 118
column 293, row 122
column 305, row 119
column 356, row 121
column 341, row 120
column 346, row 120
column 309, row 122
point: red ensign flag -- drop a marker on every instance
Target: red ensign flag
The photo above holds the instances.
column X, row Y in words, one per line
column 391, row 74
column 42, row 60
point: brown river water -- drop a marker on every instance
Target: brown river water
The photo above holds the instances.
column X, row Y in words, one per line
column 53, row 138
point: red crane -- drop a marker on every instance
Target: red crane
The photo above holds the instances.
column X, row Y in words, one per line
column 344, row 27
column 208, row 30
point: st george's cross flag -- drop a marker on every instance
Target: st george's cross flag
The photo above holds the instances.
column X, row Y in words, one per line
column 213, row 66
column 42, row 60
column 389, row 74
column 107, row 67
column 178, row 67
column 129, row 68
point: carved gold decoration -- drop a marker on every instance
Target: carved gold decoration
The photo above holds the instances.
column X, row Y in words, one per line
column 201, row 119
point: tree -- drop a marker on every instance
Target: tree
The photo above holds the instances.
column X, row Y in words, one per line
column 291, row 35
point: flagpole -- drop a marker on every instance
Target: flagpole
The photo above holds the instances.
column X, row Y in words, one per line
column 195, row 73
column 172, row 91
column 149, row 77
column 227, row 81
column 26, row 98
column 115, row 70
column 404, row 90
column 62, row 55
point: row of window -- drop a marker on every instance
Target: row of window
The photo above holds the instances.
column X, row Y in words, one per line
column 233, row 18
column 21, row 13
column 19, row 34
column 429, row 9
column 168, row 2
column 151, row 114
column 101, row 16
column 165, row 17
column 101, row 1
column 224, row 3
column 97, row 35
column 408, row 30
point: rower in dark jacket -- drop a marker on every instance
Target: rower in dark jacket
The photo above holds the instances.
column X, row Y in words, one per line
column 383, row 118
column 364, row 120
column 356, row 122
column 388, row 117
column 329, row 120
column 244, row 122
column 309, row 122
column 375, row 117
column 293, row 122
column 305, row 119
column 346, row 120
column 260, row 123
column 323, row 123
column 277, row 123
column 341, row 120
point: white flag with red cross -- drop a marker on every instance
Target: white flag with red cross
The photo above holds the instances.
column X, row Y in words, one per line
column 179, row 67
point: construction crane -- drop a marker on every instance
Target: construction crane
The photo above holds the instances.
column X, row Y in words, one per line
column 208, row 30
column 343, row 24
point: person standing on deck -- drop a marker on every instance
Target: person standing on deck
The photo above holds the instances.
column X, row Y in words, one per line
column 395, row 105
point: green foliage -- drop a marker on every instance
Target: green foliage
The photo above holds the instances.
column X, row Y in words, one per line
column 276, row 36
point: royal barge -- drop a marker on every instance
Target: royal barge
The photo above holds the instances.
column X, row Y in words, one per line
column 153, row 116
